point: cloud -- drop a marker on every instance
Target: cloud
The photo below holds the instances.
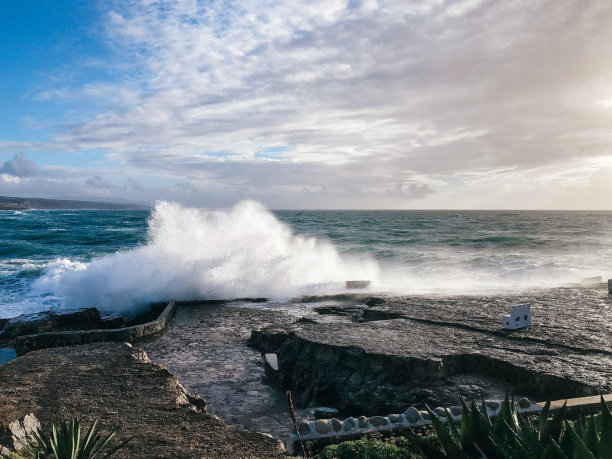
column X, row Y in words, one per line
column 20, row 166
column 379, row 102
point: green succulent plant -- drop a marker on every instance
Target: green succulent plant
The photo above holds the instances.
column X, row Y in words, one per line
column 65, row 443
column 512, row 437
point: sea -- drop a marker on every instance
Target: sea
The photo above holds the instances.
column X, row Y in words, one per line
column 122, row 260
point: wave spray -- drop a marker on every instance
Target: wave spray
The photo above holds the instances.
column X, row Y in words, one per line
column 205, row 254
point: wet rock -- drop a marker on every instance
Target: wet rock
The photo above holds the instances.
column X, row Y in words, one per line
column 76, row 319
column 395, row 418
column 412, row 414
column 425, row 415
column 322, row 426
column 456, row 410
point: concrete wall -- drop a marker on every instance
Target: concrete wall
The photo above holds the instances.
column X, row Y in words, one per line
column 25, row 344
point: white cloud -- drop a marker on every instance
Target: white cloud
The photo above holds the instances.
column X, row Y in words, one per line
column 466, row 95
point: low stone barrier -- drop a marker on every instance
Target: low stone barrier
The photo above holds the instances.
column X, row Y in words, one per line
column 326, row 429
column 28, row 343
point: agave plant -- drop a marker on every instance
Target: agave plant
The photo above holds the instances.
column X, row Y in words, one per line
column 512, row 437
column 66, row 443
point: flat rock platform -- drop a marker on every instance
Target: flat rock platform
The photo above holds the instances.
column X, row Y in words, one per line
column 119, row 385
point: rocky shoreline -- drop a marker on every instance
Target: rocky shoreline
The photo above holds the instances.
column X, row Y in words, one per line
column 360, row 354
column 118, row 384
column 389, row 353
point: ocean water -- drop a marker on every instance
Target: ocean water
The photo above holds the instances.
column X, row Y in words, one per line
column 122, row 260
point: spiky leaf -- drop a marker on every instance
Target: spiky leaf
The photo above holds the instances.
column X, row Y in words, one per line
column 579, row 449
column 605, row 443
column 453, row 450
column 590, row 437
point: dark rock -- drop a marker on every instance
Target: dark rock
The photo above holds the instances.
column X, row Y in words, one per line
column 492, row 404
column 524, row 403
column 456, row 410
column 425, row 415
column 349, row 423
column 395, row 418
column 305, row 320
column 439, row 411
column 336, row 424
column 363, row 421
column 324, row 412
column 76, row 319
column 412, row 414
column 304, row 427
column 373, row 301
column 377, row 421
column 432, row 350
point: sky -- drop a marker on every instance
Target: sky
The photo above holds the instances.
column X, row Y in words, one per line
column 314, row 104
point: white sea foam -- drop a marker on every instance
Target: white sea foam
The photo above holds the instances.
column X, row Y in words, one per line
column 202, row 254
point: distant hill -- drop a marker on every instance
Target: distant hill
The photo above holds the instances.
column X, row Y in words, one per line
column 10, row 203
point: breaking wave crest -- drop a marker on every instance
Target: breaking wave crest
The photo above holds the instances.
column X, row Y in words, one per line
column 203, row 254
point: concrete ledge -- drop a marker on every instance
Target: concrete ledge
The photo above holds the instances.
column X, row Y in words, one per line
column 581, row 402
column 28, row 343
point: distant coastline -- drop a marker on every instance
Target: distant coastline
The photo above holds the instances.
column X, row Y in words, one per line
column 13, row 203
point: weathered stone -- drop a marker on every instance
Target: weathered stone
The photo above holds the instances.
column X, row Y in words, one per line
column 115, row 383
column 363, row 421
column 492, row 404
column 378, row 421
column 412, row 415
column 524, row 403
column 395, row 418
column 456, row 410
column 304, row 427
column 349, row 424
column 425, row 415
column 405, row 351
column 76, row 319
column 357, row 284
column 439, row 411
column 23, row 430
column 322, row 426
column 336, row 424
